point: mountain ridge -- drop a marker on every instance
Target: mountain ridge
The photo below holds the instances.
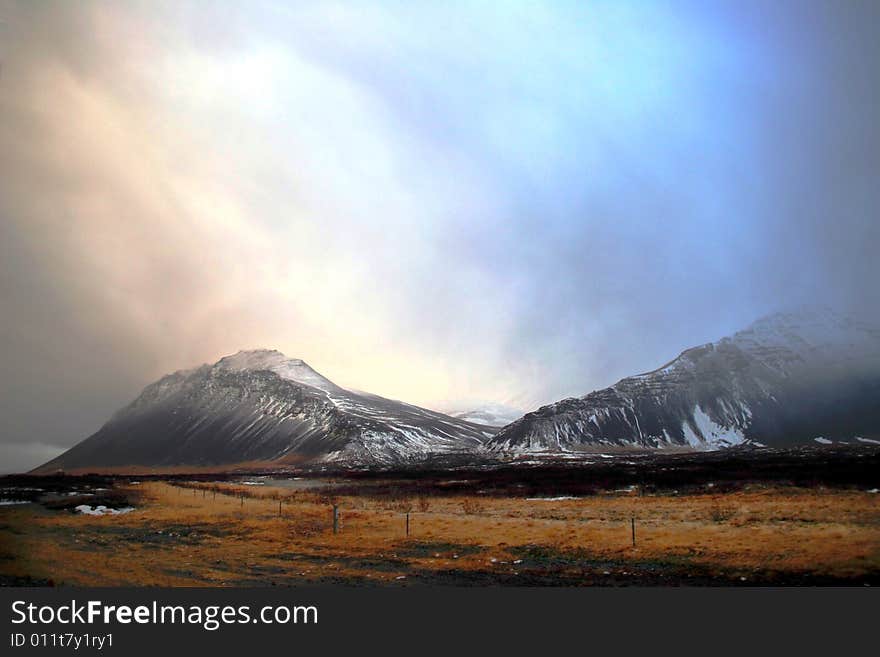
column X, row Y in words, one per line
column 757, row 387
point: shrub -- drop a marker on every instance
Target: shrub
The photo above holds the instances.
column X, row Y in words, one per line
column 471, row 506
column 720, row 513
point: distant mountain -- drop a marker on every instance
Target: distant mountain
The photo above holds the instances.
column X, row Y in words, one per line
column 494, row 415
column 261, row 406
column 790, row 378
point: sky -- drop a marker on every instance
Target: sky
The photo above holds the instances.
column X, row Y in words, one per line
column 446, row 203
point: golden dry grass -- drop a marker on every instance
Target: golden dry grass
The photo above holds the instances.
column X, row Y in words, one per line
column 195, row 536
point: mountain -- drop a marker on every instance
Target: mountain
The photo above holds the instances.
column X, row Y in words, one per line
column 261, row 406
column 493, row 415
column 790, row 378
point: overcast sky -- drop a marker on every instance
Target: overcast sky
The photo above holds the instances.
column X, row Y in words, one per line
column 438, row 202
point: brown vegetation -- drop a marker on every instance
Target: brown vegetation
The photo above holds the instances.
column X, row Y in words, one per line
column 225, row 534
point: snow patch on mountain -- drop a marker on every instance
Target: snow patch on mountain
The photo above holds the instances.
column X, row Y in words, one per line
column 714, row 434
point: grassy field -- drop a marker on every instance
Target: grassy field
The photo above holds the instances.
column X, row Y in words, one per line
column 190, row 533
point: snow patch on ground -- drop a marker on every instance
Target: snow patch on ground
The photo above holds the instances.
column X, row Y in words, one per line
column 11, row 502
column 867, row 440
column 102, row 510
column 822, row 441
column 550, row 499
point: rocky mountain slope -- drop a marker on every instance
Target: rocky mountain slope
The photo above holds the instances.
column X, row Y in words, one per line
column 808, row 376
column 262, row 406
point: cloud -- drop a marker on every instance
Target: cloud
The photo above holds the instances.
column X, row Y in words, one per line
column 22, row 457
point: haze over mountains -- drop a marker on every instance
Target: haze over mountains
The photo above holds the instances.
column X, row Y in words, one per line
column 788, row 379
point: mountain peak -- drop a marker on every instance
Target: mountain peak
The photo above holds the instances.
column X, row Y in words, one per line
column 801, row 316
column 292, row 369
column 810, row 333
column 489, row 413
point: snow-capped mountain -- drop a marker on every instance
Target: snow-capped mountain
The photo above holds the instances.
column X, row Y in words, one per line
column 493, row 415
column 260, row 406
column 787, row 379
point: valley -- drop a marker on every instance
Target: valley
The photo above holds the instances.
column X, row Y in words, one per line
column 750, row 517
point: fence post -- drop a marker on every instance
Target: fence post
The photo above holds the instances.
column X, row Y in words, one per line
column 633, row 521
column 335, row 519
column 407, row 523
column 279, row 507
